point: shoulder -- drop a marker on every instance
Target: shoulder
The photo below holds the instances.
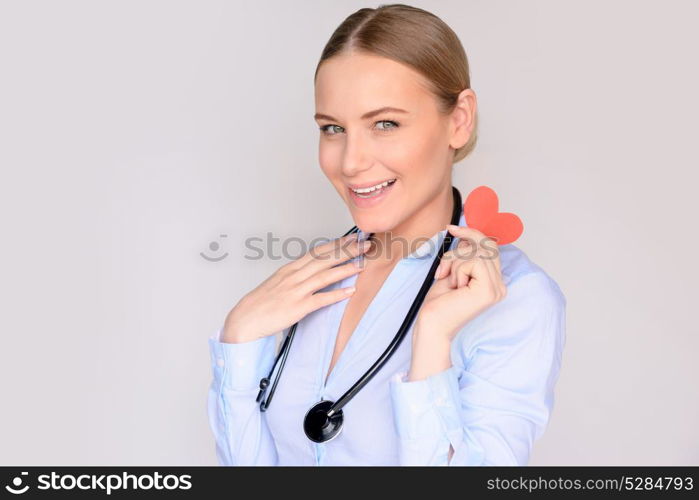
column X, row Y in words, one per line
column 527, row 280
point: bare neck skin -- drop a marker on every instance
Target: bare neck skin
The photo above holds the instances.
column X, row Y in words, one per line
column 391, row 246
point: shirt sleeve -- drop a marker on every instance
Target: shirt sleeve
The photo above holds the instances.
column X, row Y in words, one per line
column 497, row 396
column 239, row 427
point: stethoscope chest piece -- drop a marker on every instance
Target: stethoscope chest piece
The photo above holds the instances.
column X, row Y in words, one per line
column 318, row 426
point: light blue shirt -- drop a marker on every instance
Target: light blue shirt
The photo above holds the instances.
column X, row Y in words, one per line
column 490, row 405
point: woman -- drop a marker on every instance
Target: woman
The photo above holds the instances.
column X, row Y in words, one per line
column 474, row 385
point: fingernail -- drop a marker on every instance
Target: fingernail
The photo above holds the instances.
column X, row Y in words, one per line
column 350, row 290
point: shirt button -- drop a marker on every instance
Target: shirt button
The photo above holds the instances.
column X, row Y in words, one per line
column 219, row 362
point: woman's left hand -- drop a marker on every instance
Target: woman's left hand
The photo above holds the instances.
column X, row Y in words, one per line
column 468, row 281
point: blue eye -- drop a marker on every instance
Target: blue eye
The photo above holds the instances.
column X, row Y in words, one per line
column 325, row 128
column 389, row 121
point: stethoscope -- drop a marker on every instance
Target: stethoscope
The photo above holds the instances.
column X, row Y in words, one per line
column 324, row 420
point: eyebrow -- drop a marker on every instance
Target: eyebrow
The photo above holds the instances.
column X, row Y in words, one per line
column 365, row 116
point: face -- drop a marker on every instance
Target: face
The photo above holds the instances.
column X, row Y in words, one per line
column 411, row 145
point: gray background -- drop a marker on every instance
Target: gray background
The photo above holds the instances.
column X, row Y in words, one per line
column 133, row 134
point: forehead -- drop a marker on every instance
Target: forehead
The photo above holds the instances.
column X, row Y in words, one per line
column 351, row 84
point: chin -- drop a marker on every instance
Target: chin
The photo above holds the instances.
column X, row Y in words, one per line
column 372, row 225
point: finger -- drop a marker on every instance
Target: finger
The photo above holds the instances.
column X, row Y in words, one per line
column 448, row 274
column 325, row 277
column 491, row 257
column 445, row 263
column 340, row 248
column 461, row 270
column 492, row 252
column 321, row 299
column 464, row 249
column 333, row 258
column 438, row 288
column 322, row 249
column 463, row 232
column 466, row 252
column 464, row 271
column 452, row 280
column 464, row 277
column 486, row 247
column 492, row 274
column 477, row 271
column 491, row 281
column 443, row 269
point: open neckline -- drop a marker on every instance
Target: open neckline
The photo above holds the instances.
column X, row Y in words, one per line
column 389, row 288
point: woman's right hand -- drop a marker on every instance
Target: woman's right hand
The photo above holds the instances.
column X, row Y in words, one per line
column 289, row 294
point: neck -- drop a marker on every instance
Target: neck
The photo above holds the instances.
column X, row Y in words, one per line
column 394, row 245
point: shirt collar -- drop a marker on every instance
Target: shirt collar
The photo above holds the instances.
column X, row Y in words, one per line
column 427, row 249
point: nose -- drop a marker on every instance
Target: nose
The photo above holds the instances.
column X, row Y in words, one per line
column 356, row 156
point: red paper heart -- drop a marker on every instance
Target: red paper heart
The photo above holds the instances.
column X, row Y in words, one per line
column 481, row 213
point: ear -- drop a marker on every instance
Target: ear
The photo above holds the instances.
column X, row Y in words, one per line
column 463, row 118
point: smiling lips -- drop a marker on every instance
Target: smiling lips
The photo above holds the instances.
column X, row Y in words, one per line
column 363, row 188
column 373, row 190
column 372, row 195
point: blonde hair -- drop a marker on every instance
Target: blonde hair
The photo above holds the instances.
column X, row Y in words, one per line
column 414, row 37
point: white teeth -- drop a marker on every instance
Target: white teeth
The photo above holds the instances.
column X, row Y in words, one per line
column 374, row 188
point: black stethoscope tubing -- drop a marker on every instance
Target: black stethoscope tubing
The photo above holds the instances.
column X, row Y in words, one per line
column 324, row 420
